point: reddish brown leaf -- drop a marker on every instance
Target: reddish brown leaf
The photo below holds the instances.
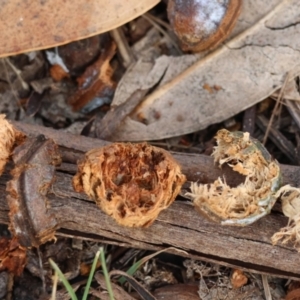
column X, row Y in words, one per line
column 58, row 73
column 95, row 81
column 12, row 256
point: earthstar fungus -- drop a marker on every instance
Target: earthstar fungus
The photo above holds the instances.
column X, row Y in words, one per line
column 132, row 183
column 250, row 200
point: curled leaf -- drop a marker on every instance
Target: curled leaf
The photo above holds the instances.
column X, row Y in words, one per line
column 250, row 200
column 130, row 182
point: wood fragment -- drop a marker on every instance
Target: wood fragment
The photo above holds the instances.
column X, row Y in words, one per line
column 33, row 174
column 278, row 139
column 248, row 248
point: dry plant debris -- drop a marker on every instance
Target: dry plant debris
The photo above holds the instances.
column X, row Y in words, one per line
column 96, row 81
column 263, row 33
column 202, row 25
column 238, row 279
column 250, row 200
column 56, row 23
column 290, row 199
column 12, row 256
column 8, row 136
column 130, row 182
column 33, row 174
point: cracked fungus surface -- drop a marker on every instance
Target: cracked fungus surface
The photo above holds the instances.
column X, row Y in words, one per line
column 250, row 200
column 130, row 182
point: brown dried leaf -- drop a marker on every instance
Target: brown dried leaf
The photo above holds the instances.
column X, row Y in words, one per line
column 96, row 80
column 177, row 291
column 238, row 279
column 58, row 73
column 27, row 26
column 12, row 256
column 130, row 182
column 247, row 69
column 293, row 295
column 33, row 175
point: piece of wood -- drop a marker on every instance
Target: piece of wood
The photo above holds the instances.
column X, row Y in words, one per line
column 179, row 226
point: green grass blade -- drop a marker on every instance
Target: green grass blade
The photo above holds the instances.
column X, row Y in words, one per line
column 91, row 275
column 139, row 263
column 106, row 276
column 63, row 280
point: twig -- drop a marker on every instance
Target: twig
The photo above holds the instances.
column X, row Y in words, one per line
column 152, row 21
column 123, row 47
column 266, row 287
column 278, row 101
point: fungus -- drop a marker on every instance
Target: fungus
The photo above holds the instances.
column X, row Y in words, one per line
column 8, row 138
column 130, row 182
column 250, row 200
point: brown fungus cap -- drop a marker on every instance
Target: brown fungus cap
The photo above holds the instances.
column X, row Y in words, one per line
column 130, row 182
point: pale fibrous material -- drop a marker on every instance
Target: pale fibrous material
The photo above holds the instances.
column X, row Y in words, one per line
column 132, row 183
column 250, row 200
column 7, row 140
column 290, row 200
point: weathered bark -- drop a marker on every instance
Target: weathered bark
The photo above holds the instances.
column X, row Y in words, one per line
column 179, row 226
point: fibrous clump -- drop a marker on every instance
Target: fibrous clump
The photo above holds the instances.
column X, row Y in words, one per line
column 290, row 199
column 130, row 182
column 8, row 136
column 250, row 200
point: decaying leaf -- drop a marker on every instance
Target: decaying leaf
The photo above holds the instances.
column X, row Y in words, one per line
column 250, row 200
column 130, row 182
column 96, row 81
column 8, row 136
column 12, row 256
column 35, row 162
column 262, row 50
column 28, row 26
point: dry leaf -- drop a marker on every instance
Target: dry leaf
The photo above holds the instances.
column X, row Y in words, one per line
column 58, row 73
column 293, row 295
column 247, row 69
column 132, row 183
column 27, row 26
column 12, row 256
column 177, row 291
column 96, row 81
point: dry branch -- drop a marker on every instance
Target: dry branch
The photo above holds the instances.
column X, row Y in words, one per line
column 179, row 226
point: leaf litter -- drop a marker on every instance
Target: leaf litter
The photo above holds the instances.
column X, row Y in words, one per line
column 158, row 117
